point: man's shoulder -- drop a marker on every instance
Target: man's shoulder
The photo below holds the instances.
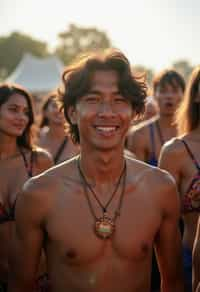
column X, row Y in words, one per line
column 159, row 179
column 50, row 179
column 143, row 169
column 163, row 184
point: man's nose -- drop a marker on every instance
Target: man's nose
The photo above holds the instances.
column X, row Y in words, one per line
column 106, row 109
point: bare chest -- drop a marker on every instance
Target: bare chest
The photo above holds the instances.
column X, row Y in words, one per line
column 71, row 231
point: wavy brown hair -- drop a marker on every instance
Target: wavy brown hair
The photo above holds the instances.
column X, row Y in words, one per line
column 188, row 114
column 6, row 91
column 77, row 81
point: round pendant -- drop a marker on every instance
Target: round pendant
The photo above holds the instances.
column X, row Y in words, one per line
column 104, row 227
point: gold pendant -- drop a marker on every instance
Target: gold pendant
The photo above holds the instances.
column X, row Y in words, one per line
column 104, row 227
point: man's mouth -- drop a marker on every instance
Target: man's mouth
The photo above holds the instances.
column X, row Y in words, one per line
column 106, row 129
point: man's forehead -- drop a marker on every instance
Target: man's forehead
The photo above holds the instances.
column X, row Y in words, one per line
column 104, row 78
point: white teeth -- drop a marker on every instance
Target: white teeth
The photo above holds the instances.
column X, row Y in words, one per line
column 106, row 129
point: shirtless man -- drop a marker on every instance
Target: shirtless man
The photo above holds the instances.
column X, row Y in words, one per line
column 146, row 139
column 95, row 215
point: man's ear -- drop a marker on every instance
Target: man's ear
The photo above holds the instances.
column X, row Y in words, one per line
column 72, row 114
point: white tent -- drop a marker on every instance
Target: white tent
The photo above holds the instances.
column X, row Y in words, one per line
column 36, row 74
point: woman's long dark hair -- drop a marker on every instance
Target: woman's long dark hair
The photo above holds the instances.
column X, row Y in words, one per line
column 6, row 91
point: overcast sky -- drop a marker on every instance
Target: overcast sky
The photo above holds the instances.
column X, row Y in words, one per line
column 154, row 33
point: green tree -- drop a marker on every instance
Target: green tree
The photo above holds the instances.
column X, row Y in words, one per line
column 183, row 67
column 77, row 40
column 14, row 46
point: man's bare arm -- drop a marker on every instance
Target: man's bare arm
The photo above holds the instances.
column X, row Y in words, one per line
column 168, row 240
column 28, row 240
column 196, row 260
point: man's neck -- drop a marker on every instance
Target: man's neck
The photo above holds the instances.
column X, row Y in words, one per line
column 102, row 166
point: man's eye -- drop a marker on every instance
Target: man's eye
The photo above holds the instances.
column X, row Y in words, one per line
column 92, row 99
column 120, row 99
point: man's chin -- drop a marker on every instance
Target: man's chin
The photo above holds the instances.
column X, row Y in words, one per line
column 107, row 147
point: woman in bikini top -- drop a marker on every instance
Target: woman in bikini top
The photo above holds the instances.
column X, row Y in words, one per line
column 181, row 157
column 5, row 215
column 191, row 199
column 19, row 160
column 53, row 134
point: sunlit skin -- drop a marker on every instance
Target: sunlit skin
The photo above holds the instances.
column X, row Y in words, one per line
column 13, row 121
column 107, row 109
column 183, row 171
column 54, row 135
column 176, row 159
column 14, row 116
column 168, row 99
column 77, row 259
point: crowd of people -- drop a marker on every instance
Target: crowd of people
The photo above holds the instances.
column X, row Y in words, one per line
column 103, row 193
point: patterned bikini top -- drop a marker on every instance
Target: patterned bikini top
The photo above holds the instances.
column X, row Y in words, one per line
column 190, row 204
column 6, row 216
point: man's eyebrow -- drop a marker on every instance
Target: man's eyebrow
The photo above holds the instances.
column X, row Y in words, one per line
column 117, row 92
column 93, row 91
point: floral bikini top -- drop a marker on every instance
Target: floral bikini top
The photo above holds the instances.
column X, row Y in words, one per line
column 6, row 216
column 190, row 204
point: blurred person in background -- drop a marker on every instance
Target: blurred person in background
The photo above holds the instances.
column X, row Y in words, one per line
column 181, row 157
column 54, row 134
column 19, row 160
column 146, row 139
